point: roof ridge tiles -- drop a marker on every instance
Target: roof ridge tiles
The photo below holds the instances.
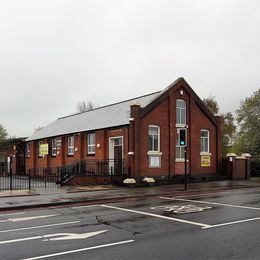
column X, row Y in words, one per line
column 113, row 104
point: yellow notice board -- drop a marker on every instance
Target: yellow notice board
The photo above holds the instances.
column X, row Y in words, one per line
column 205, row 160
column 44, row 149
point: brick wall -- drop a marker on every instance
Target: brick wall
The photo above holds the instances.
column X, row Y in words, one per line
column 163, row 114
column 33, row 160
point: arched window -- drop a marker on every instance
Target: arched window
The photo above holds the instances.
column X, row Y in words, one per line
column 154, row 138
column 180, row 112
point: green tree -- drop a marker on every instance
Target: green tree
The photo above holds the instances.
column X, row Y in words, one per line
column 229, row 128
column 248, row 118
column 228, row 132
column 3, row 133
column 211, row 104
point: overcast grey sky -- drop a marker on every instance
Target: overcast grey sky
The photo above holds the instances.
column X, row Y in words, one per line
column 55, row 53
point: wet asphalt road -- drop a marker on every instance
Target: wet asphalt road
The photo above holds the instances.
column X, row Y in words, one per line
column 223, row 225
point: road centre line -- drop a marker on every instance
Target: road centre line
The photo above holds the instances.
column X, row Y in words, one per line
column 157, row 216
column 36, row 227
column 19, row 240
column 27, row 218
column 7, row 214
column 232, row 223
column 212, row 203
column 79, row 250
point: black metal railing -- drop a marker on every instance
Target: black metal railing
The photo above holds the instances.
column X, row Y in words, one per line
column 33, row 178
column 86, row 172
column 3, row 167
column 82, row 172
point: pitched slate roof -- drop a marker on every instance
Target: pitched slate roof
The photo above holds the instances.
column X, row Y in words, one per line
column 117, row 114
column 113, row 115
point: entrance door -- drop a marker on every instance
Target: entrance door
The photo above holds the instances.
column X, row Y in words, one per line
column 118, row 162
column 116, row 155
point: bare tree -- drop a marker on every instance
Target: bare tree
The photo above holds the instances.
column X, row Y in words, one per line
column 37, row 129
column 85, row 106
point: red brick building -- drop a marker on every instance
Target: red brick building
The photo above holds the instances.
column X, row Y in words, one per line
column 144, row 132
column 13, row 150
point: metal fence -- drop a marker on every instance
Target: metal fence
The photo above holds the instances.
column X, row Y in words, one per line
column 94, row 172
column 37, row 178
column 83, row 172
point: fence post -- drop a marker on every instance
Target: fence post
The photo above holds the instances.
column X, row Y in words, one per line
column 57, row 175
column 61, row 177
column 45, row 177
column 11, row 177
column 111, row 174
column 98, row 168
column 29, row 179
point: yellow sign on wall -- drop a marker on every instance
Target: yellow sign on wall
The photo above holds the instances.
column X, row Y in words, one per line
column 205, row 160
column 44, row 149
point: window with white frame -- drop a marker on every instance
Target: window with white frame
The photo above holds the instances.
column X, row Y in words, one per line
column 180, row 150
column 180, row 112
column 154, row 138
column 91, row 143
column 71, row 145
column 204, row 141
column 54, row 147
column 39, row 148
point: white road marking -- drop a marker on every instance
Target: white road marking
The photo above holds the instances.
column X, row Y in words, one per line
column 185, row 209
column 232, row 223
column 79, row 250
column 7, row 214
column 19, row 240
column 72, row 236
column 26, row 218
column 157, row 216
column 36, row 227
column 62, row 236
column 87, row 206
column 212, row 203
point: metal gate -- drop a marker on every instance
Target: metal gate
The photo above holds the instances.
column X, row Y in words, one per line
column 255, row 166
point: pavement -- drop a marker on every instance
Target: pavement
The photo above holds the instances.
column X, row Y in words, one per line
column 36, row 198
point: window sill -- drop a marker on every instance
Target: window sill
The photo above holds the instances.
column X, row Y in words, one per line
column 180, row 125
column 204, row 153
column 181, row 160
column 154, row 153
